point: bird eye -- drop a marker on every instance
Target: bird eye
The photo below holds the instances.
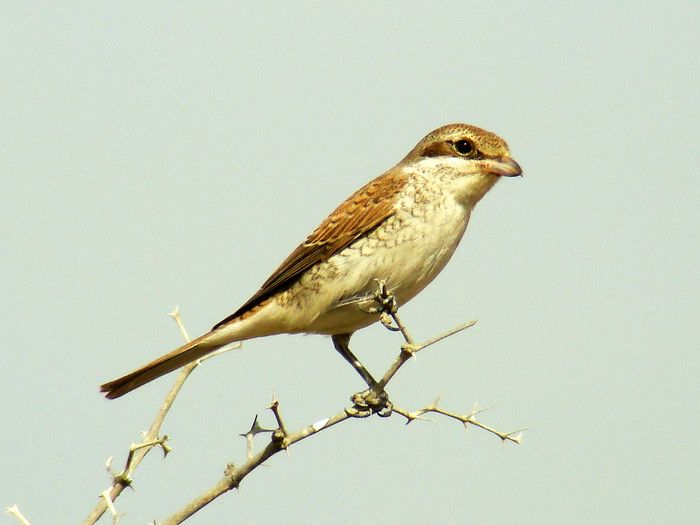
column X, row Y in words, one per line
column 464, row 147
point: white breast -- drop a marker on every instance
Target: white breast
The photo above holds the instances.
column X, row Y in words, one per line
column 407, row 253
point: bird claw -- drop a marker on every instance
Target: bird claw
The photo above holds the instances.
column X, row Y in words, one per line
column 384, row 302
column 385, row 299
column 368, row 402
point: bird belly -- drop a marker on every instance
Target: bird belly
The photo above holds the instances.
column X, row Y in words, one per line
column 407, row 252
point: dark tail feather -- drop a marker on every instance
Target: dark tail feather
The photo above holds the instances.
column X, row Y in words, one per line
column 167, row 363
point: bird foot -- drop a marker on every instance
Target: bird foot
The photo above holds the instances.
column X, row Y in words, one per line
column 369, row 402
column 385, row 300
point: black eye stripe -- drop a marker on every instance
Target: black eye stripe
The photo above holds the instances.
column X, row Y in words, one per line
column 448, row 148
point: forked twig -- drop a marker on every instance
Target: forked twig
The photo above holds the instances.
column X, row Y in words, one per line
column 281, row 438
column 467, row 419
column 150, row 438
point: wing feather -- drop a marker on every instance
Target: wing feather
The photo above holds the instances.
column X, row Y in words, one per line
column 361, row 213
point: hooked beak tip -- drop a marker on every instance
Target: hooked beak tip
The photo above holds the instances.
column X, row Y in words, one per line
column 507, row 167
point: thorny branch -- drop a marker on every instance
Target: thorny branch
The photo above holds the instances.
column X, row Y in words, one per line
column 410, row 348
column 137, row 451
column 281, row 438
column 467, row 419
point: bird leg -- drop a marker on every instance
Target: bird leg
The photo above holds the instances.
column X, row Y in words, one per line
column 370, row 401
column 341, row 344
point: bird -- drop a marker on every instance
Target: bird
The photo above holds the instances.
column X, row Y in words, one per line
column 401, row 228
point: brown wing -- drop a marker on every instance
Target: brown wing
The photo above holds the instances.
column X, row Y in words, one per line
column 363, row 211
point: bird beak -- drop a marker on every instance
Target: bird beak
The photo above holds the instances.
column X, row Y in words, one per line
column 503, row 167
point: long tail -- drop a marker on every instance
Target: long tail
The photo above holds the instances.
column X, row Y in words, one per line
column 195, row 349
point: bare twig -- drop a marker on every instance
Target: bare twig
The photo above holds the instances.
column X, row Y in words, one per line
column 409, row 349
column 281, row 438
column 386, row 300
column 466, row 419
column 150, row 437
column 255, row 429
column 234, row 475
column 15, row 513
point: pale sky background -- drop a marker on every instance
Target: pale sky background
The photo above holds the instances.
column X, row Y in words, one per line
column 172, row 154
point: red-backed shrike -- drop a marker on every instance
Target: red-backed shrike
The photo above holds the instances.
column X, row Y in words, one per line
column 401, row 228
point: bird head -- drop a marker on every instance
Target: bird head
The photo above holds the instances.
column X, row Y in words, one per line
column 467, row 158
